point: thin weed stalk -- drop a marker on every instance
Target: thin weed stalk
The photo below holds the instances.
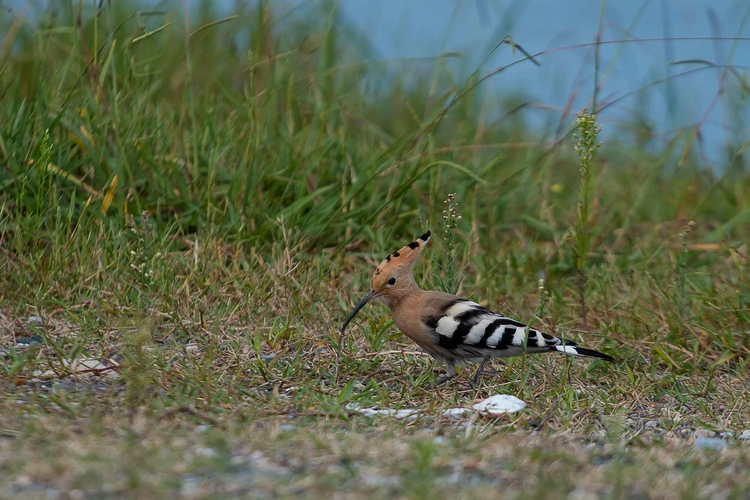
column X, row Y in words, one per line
column 586, row 147
column 680, row 279
column 451, row 278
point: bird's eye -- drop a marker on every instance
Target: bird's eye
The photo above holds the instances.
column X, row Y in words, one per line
column 392, row 281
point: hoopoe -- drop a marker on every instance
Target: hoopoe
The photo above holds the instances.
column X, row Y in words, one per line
column 453, row 329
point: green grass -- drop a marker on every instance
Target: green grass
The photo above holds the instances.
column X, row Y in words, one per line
column 205, row 214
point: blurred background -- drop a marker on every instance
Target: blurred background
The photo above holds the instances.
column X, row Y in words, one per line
column 667, row 64
column 661, row 63
column 664, row 64
column 340, row 117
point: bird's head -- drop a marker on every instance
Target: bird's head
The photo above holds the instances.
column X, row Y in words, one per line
column 393, row 277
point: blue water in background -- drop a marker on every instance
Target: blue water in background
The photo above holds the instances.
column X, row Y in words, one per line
column 423, row 28
column 561, row 34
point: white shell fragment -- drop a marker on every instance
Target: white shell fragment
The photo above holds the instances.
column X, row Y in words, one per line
column 193, row 349
column 494, row 405
column 456, row 412
column 500, row 403
column 372, row 412
column 35, row 320
column 706, row 443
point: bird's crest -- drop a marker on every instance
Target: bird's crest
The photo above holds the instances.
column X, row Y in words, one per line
column 403, row 259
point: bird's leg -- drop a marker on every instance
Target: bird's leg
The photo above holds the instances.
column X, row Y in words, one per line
column 481, row 371
column 442, row 380
column 450, row 366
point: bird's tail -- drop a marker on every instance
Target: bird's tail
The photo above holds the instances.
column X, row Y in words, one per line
column 574, row 350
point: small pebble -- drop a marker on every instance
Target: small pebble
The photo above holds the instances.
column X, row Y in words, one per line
column 652, row 424
column 202, row 428
column 267, row 357
column 64, row 386
column 376, row 481
column 705, row 443
column 455, row 413
column 600, row 459
column 21, row 483
column 206, row 452
column 35, row 320
column 26, row 342
column 581, row 494
column 704, row 433
column 239, row 460
column 745, row 434
column 189, row 485
column 683, row 433
column 100, row 387
column 287, row 427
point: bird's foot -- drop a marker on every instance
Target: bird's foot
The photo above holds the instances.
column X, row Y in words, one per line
column 442, row 380
column 481, row 371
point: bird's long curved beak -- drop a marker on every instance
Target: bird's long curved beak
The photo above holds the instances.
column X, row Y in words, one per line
column 367, row 298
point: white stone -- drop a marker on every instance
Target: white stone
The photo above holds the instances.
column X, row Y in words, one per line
column 499, row 404
column 704, row 433
column 206, row 452
column 710, row 443
column 35, row 320
column 455, row 412
column 372, row 412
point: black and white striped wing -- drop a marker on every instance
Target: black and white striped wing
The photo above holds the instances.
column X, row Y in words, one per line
column 466, row 326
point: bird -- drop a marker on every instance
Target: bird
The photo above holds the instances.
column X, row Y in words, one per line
column 452, row 329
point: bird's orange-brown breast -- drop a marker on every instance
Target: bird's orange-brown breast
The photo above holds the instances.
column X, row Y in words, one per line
column 411, row 313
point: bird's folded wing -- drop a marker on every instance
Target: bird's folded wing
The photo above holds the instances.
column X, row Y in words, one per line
column 462, row 323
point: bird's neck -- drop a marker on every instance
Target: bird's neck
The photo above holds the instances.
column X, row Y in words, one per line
column 405, row 293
